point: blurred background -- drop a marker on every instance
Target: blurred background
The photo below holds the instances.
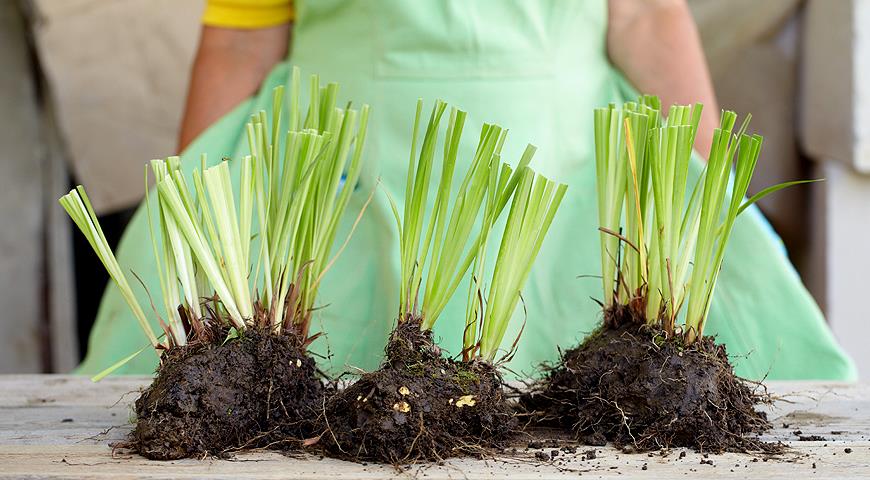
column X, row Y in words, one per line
column 91, row 89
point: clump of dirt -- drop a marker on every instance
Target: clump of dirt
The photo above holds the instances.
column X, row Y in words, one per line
column 417, row 406
column 211, row 397
column 629, row 384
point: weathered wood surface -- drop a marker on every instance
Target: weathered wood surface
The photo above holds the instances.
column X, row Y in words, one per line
column 20, row 200
column 35, row 251
column 55, row 426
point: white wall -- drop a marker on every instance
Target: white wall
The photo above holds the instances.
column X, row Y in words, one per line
column 847, row 226
column 835, row 130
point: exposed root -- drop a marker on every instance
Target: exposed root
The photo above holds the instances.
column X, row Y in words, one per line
column 212, row 398
column 417, row 406
column 629, row 384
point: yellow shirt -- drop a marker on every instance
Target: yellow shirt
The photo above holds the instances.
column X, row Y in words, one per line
column 247, row 13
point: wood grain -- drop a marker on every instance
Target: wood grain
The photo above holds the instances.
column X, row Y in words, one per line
column 54, row 426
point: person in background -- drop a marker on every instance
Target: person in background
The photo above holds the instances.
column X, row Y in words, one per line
column 537, row 68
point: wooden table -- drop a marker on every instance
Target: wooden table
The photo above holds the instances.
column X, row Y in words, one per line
column 54, row 426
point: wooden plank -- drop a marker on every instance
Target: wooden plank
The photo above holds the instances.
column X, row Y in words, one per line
column 21, row 344
column 60, row 292
column 91, row 462
column 54, row 426
column 36, row 290
column 73, row 390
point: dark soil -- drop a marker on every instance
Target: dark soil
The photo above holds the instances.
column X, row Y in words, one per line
column 630, row 385
column 417, row 406
column 212, row 397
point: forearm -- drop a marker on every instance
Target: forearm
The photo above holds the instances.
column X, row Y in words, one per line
column 656, row 45
column 230, row 65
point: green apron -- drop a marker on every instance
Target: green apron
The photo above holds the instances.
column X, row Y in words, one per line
column 537, row 68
